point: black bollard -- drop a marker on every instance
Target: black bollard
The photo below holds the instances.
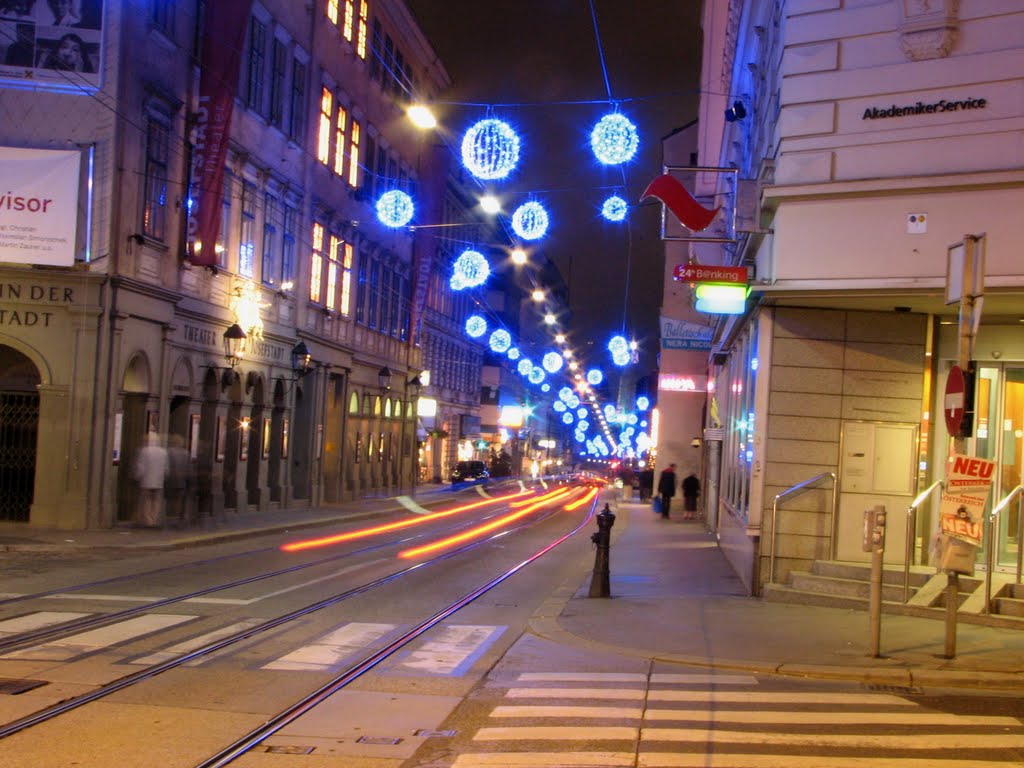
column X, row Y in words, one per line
column 600, row 585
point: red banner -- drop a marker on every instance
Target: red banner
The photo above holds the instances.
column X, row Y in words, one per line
column 223, row 42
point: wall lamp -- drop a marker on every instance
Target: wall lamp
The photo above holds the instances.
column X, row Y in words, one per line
column 415, row 387
column 384, row 379
column 736, row 112
column 302, row 361
column 234, row 344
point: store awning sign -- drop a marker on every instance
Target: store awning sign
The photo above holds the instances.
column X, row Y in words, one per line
column 39, row 206
column 680, row 334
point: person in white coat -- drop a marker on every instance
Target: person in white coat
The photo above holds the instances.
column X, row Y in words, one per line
column 150, row 473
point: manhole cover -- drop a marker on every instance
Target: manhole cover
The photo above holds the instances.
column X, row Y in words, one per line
column 906, row 690
column 429, row 734
column 383, row 740
column 14, row 687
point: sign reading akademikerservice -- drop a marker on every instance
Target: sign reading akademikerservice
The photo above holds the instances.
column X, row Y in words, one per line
column 38, row 205
column 923, row 108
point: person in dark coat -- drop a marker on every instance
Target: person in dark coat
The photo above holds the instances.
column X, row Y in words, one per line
column 691, row 490
column 667, row 488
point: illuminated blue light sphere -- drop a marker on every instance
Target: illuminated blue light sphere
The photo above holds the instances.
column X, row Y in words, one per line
column 559, row 406
column 552, row 362
column 524, row 366
column 642, row 403
column 530, row 221
column 545, row 387
column 618, row 344
column 395, row 208
column 476, row 326
column 614, row 208
column 614, row 139
column 500, row 340
column 572, row 401
column 594, row 377
column 564, row 394
column 621, row 358
column 583, row 425
column 469, row 270
column 580, row 436
column 567, row 418
column 536, row 375
column 513, row 353
column 490, row 149
column 609, row 411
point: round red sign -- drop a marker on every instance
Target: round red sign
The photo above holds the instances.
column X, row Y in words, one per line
column 953, row 403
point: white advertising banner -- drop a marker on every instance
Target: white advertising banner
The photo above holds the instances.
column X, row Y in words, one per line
column 38, row 205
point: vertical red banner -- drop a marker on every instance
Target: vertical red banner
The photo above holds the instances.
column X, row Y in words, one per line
column 222, row 45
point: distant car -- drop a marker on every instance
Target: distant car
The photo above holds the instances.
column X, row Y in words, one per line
column 467, row 471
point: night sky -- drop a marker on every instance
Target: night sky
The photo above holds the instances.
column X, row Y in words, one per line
column 538, row 60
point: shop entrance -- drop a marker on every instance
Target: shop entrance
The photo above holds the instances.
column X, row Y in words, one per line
column 19, row 428
column 999, row 435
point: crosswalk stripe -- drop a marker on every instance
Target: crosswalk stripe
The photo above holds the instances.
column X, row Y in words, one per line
column 180, row 649
column 702, row 679
column 931, row 741
column 546, row 760
column 451, row 652
column 558, row 733
column 33, row 621
column 86, row 642
column 616, row 713
column 582, row 677
column 104, row 598
column 776, row 717
column 637, row 694
column 771, row 697
column 734, row 760
column 331, row 649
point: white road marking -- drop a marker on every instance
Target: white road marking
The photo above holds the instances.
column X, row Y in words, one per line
column 557, row 733
column 703, row 679
column 86, row 642
column 733, row 760
column 411, row 505
column 330, row 650
column 929, row 741
column 32, row 621
column 761, row 697
column 328, row 577
column 105, row 598
column 636, row 694
column 180, row 649
column 546, row 760
column 451, row 652
column 534, row 712
column 583, row 677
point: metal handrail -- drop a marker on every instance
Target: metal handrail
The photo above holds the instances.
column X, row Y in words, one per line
column 908, row 550
column 989, row 535
column 800, row 488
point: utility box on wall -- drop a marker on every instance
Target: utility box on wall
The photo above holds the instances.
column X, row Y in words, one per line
column 877, row 466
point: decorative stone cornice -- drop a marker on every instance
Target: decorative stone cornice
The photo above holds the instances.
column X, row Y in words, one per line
column 928, row 28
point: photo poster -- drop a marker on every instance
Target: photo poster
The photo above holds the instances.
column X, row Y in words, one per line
column 266, row 438
column 193, row 437
column 962, row 506
column 243, row 438
column 45, row 44
column 284, row 438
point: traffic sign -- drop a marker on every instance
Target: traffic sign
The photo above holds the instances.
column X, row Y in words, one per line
column 954, row 403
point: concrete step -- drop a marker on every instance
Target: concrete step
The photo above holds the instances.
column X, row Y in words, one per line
column 1008, row 606
column 842, row 587
column 891, row 574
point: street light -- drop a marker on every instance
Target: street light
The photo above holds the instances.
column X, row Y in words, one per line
column 234, row 341
column 384, row 379
column 415, row 385
column 302, row 361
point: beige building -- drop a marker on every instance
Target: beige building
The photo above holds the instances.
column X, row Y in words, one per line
column 882, row 135
column 120, row 336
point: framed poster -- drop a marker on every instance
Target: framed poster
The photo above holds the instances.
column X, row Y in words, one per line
column 118, row 422
column 266, row 438
column 222, row 436
column 193, row 437
column 284, row 438
column 243, row 438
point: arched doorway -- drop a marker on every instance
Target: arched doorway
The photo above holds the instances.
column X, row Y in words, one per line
column 19, row 429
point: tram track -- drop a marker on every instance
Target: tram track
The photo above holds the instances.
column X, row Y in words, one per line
column 50, row 713
column 85, row 623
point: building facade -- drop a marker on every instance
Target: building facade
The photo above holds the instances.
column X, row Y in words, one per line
column 883, row 136
column 316, row 401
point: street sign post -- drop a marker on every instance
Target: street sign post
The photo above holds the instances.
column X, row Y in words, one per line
column 954, row 402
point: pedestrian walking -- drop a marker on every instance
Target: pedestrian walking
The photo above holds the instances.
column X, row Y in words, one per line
column 667, row 488
column 691, row 490
column 150, row 473
column 179, row 480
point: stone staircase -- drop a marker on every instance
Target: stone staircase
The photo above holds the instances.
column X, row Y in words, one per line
column 838, row 584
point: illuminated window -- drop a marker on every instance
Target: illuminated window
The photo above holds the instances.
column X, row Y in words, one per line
column 288, row 239
column 364, row 18
column 350, row 16
column 247, row 231
column 353, row 155
column 154, row 204
column 332, row 11
column 316, row 263
column 339, row 141
column 331, row 299
column 346, row 278
column 323, row 150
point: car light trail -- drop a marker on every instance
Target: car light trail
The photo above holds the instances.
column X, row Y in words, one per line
column 549, row 496
column 325, row 541
column 480, row 530
column 580, row 502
